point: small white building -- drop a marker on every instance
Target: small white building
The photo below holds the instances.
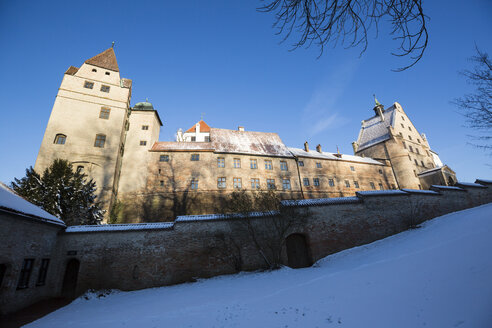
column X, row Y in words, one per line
column 200, row 132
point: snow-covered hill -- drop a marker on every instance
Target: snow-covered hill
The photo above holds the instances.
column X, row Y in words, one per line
column 437, row 276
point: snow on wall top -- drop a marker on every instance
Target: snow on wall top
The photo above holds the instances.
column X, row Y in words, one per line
column 210, row 217
column 325, row 155
column 374, row 130
column 11, row 201
column 483, row 181
column 121, row 227
column 419, row 191
column 470, row 184
column 321, row 201
column 181, row 146
column 380, row 192
column 248, row 142
column 447, row 187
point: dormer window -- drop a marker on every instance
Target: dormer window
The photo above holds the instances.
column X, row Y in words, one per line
column 88, row 85
column 60, row 139
column 105, row 88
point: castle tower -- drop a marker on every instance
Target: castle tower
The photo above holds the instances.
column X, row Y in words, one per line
column 391, row 136
column 87, row 123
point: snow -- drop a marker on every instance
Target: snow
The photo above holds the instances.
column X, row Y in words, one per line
column 120, row 227
column 471, row 184
column 321, row 201
column 331, row 156
column 11, row 201
column 209, row 217
column 420, row 191
column 437, row 276
column 447, row 187
column 380, row 192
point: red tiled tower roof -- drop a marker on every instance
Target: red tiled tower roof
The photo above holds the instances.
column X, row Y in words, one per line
column 203, row 127
column 106, row 59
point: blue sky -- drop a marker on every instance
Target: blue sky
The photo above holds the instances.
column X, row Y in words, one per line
column 222, row 58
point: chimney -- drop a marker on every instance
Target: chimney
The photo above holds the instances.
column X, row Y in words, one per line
column 355, row 146
column 179, row 135
column 318, row 148
column 306, row 146
column 197, row 128
column 240, row 128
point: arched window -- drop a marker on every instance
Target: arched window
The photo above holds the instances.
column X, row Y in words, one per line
column 60, row 139
column 100, row 140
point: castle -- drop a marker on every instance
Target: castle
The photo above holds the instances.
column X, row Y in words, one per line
column 143, row 179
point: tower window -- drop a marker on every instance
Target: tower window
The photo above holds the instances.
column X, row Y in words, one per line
column 409, row 137
column 100, row 140
column 25, row 274
column 411, row 149
column 107, row 73
column 104, row 113
column 418, row 140
column 94, row 70
column 145, row 127
column 88, row 85
column 423, row 165
column 164, row 158
column 60, row 139
column 403, row 118
column 403, row 126
column 404, row 145
column 105, row 88
column 143, row 143
column 417, row 150
column 195, row 157
column 409, row 128
column 43, row 270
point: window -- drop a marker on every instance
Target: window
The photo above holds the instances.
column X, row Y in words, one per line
column 331, row 182
column 268, row 165
column 417, row 150
column 415, row 173
column 416, row 163
column 404, row 144
column 104, row 113
column 410, row 158
column 107, row 73
column 286, row 184
column 94, row 70
column 80, row 168
column 193, row 139
column 306, row 181
column 221, row 183
column 255, row 183
column 164, row 158
column 380, row 171
column 88, row 85
column 195, row 157
column 283, row 166
column 301, row 163
column 161, row 183
column 418, row 140
column 237, row 183
column 105, row 88
column 347, row 184
column 372, row 185
column 411, row 149
column 352, row 168
column 145, row 127
column 409, row 128
column 403, row 126
column 143, row 142
column 403, row 118
column 159, row 171
column 194, row 184
column 409, row 137
column 271, row 184
column 220, row 162
column 60, row 139
column 423, row 165
column 356, row 184
column 25, row 274
column 420, row 187
column 43, row 270
column 380, row 186
column 253, row 164
column 237, row 163
column 100, row 140
column 207, row 138
column 318, row 165
column 316, row 182
column 401, row 134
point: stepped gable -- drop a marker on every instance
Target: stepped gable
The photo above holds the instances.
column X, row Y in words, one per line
column 248, row 142
column 106, row 59
column 203, row 127
column 374, row 130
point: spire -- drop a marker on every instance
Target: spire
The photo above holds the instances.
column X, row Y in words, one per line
column 106, row 59
column 378, row 108
column 376, row 101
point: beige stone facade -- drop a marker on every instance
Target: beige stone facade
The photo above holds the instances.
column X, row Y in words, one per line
column 155, row 181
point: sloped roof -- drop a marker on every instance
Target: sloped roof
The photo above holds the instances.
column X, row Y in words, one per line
column 324, row 155
column 106, row 59
column 12, row 202
column 72, row 70
column 203, row 127
column 248, row 142
column 374, row 131
column 181, row 146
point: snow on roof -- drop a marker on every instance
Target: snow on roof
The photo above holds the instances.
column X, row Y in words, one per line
column 483, row 181
column 9, row 200
column 325, row 155
column 210, row 217
column 182, row 146
column 380, row 192
column 374, row 130
column 248, row 142
column 437, row 168
column 470, row 184
column 321, row 201
column 447, row 187
column 120, row 227
column 419, row 191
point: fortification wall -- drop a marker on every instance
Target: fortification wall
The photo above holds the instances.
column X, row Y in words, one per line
column 203, row 246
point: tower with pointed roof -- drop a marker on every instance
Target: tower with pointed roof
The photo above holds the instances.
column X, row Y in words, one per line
column 88, row 123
